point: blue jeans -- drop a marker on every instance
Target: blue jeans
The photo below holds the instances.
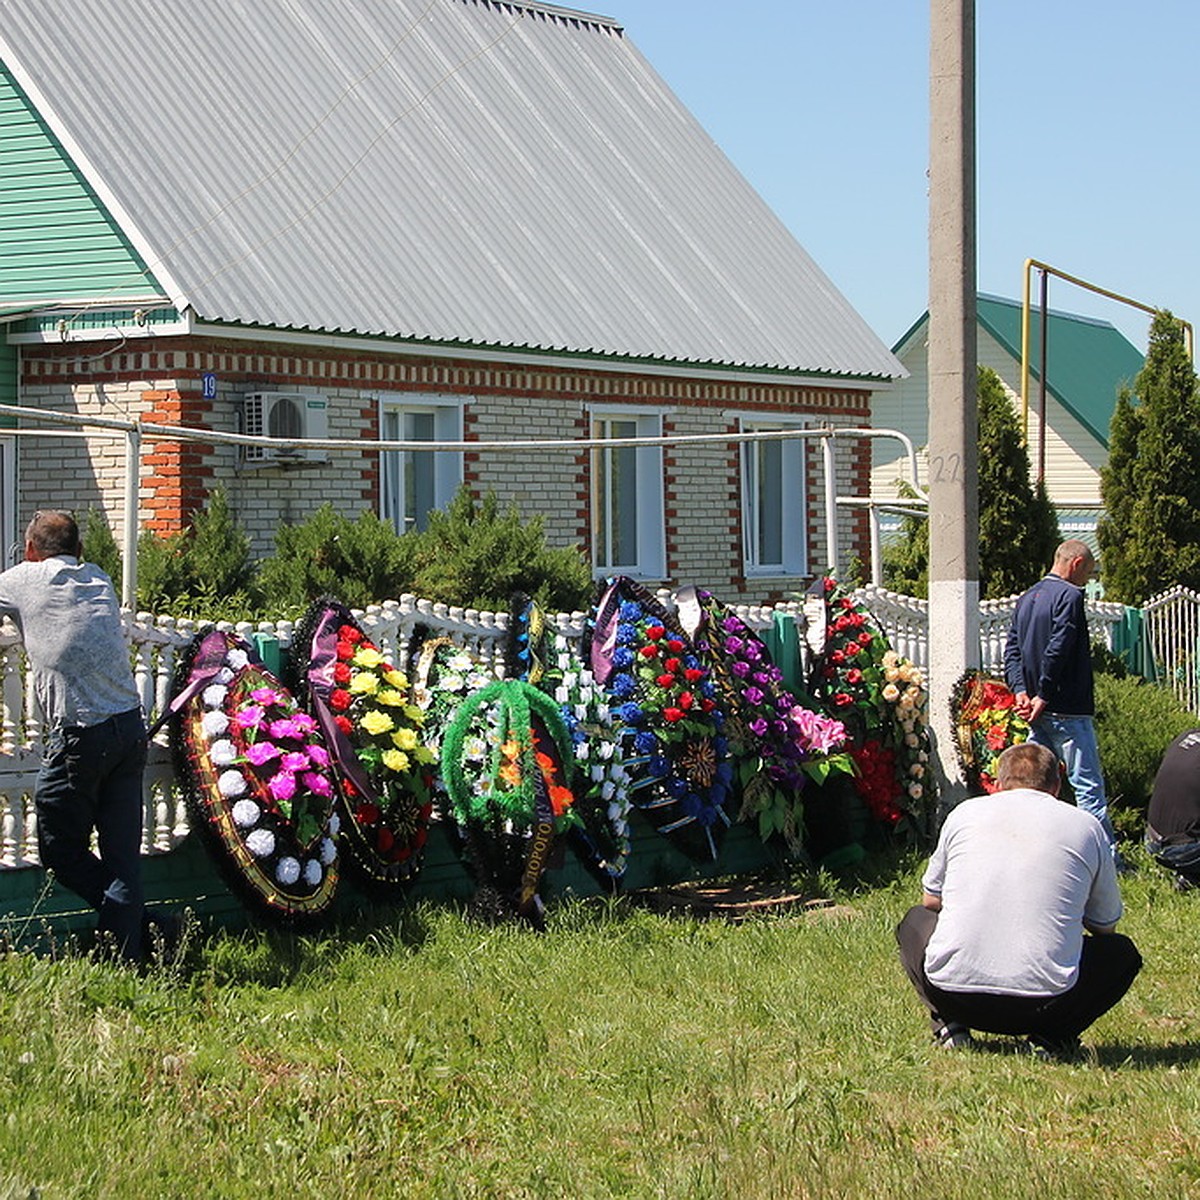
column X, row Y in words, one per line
column 1073, row 739
column 91, row 778
column 1181, row 857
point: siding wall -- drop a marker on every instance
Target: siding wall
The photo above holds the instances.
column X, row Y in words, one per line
column 164, row 385
column 58, row 242
column 1073, row 455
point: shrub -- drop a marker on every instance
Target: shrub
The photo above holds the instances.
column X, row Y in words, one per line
column 474, row 555
column 1135, row 722
column 163, row 579
column 100, row 546
column 360, row 562
column 204, row 570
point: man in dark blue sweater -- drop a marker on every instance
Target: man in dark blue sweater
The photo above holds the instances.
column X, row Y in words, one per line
column 1048, row 665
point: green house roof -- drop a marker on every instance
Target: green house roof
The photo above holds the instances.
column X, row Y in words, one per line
column 1088, row 361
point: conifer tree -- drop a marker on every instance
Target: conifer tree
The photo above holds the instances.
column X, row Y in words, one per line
column 1018, row 528
column 1150, row 534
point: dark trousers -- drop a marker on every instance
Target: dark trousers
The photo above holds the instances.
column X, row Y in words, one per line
column 1108, row 965
column 91, row 778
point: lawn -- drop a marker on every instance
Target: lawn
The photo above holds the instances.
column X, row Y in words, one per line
column 622, row 1053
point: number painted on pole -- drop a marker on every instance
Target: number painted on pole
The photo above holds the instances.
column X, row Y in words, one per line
column 946, row 468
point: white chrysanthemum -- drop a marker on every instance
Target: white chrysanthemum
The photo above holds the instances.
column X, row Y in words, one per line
column 450, row 682
column 231, row 784
column 236, row 659
column 328, row 850
column 246, row 814
column 224, row 675
column 261, row 843
column 223, row 753
column 313, row 872
column 214, row 695
column 214, row 723
column 459, row 662
column 477, row 681
column 287, row 870
column 335, row 823
column 475, row 749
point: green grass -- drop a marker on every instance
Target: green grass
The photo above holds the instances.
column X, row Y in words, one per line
column 623, row 1053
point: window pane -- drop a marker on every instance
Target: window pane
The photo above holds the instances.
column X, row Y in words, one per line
column 408, row 478
column 419, row 493
column 770, row 503
column 616, row 479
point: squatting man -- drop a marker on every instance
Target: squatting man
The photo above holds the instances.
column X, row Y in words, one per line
column 1015, row 933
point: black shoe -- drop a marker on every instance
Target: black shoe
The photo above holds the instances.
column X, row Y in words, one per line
column 1054, row 1049
column 953, row 1036
column 1184, row 883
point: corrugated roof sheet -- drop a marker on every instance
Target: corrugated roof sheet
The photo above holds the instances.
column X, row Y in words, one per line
column 474, row 171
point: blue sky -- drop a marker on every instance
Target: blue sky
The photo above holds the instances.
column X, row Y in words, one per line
column 1086, row 138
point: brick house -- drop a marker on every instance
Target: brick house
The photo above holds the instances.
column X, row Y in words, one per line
column 457, row 221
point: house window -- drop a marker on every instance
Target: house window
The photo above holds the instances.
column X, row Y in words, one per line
column 774, row 511
column 414, row 482
column 627, row 497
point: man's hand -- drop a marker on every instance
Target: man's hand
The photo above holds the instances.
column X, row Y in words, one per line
column 1021, row 707
column 1037, row 706
column 931, row 902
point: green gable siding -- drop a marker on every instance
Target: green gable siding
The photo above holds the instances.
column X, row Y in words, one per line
column 57, row 241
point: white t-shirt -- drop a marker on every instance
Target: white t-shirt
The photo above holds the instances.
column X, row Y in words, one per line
column 1017, row 873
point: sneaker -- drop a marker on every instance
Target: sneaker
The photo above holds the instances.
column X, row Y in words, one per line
column 1054, row 1050
column 953, row 1036
column 1184, row 883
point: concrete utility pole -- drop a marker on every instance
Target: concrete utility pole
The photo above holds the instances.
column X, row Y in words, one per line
column 953, row 415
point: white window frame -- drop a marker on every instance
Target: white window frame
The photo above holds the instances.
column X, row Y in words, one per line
column 9, row 535
column 650, row 560
column 793, row 498
column 447, row 412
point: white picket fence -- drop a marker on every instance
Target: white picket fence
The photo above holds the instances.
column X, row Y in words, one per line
column 1172, row 622
column 905, row 620
column 1172, row 632
column 157, row 643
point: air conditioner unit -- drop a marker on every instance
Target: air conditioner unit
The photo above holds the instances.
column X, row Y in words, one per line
column 291, row 415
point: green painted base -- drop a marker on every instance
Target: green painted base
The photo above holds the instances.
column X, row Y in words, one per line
column 33, row 910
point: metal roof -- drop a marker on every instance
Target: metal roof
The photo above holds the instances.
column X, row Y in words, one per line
column 464, row 171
